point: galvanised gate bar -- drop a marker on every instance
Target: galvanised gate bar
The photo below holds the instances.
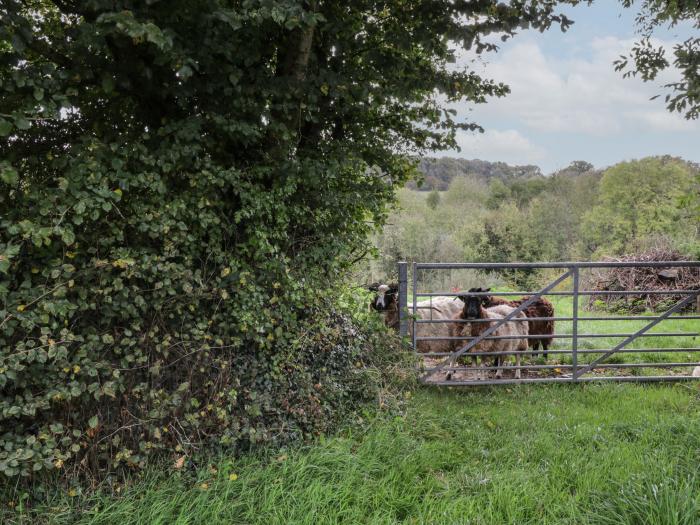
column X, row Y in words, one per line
column 628, row 358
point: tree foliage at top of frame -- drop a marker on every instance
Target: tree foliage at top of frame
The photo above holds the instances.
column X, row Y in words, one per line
column 648, row 58
column 182, row 184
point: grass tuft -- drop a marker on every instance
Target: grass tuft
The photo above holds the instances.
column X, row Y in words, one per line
column 642, row 502
column 544, row 454
column 592, row 454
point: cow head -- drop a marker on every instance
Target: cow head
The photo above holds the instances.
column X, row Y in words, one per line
column 473, row 303
column 386, row 296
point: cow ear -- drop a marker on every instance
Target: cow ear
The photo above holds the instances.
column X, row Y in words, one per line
column 486, row 289
column 461, row 298
column 374, row 287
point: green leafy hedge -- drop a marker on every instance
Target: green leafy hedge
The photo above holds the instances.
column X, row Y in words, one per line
column 132, row 354
column 144, row 309
column 182, row 186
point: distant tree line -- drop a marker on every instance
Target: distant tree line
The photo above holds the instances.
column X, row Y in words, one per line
column 576, row 213
column 438, row 173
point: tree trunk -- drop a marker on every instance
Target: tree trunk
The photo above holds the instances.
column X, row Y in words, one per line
column 294, row 68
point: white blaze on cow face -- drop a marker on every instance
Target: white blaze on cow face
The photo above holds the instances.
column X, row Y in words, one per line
column 381, row 293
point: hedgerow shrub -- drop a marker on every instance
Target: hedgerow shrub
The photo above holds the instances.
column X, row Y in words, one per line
column 133, row 322
column 146, row 309
column 182, row 185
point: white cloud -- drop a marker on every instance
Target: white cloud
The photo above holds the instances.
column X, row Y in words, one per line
column 494, row 145
column 662, row 120
column 581, row 94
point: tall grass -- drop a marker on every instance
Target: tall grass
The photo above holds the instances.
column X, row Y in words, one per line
column 592, row 454
column 547, row 454
column 670, row 502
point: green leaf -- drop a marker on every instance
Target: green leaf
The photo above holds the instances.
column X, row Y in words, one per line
column 5, row 127
column 93, row 422
column 107, row 84
column 68, row 236
column 22, row 123
column 18, row 43
column 184, row 72
column 8, row 174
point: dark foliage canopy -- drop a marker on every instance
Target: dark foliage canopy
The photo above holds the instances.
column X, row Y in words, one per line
column 181, row 185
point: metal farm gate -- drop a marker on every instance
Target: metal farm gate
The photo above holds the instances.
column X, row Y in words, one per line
column 580, row 360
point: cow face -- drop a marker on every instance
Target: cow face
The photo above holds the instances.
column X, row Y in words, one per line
column 473, row 303
column 386, row 298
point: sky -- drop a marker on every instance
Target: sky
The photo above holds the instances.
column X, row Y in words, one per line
column 568, row 103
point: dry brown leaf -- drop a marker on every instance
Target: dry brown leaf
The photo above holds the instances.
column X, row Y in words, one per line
column 179, row 463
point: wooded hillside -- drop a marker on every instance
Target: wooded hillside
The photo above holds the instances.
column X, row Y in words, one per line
column 502, row 214
column 439, row 172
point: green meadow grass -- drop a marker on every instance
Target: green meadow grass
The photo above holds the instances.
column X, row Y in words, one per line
column 564, row 308
column 544, row 454
column 551, row 454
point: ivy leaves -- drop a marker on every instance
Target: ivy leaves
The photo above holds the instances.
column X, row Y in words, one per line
column 5, row 127
column 8, row 174
column 178, row 180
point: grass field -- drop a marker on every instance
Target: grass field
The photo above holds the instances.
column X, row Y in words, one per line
column 558, row 454
column 591, row 454
column 563, row 308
